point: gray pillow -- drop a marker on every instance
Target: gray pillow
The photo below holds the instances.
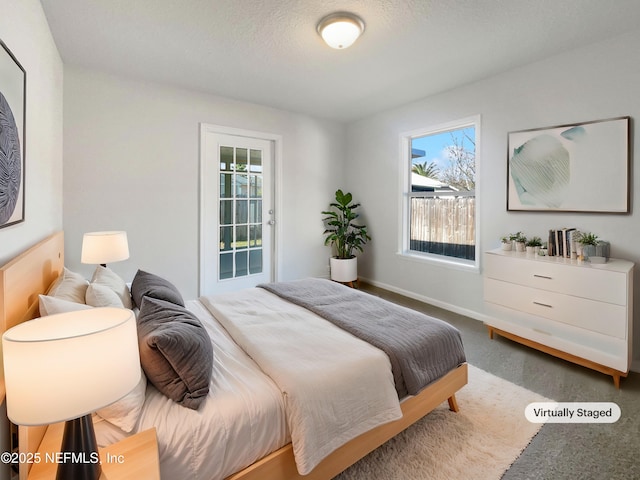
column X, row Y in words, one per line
column 176, row 352
column 149, row 285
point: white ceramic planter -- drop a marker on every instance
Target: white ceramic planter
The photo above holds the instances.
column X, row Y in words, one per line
column 344, row 270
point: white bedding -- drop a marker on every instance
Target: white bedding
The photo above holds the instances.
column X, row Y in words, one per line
column 241, row 420
column 335, row 385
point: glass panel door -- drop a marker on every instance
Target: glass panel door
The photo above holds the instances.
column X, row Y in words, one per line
column 241, row 179
column 237, row 212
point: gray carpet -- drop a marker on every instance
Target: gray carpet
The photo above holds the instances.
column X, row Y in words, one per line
column 559, row 451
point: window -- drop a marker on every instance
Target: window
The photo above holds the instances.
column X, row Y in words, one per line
column 439, row 208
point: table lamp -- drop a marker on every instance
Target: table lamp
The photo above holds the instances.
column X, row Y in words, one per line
column 64, row 367
column 104, row 247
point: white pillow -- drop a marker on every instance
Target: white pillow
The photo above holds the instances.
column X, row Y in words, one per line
column 102, row 296
column 69, row 286
column 52, row 305
column 107, row 277
column 125, row 412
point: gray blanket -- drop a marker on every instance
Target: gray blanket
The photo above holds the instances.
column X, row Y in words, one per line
column 421, row 348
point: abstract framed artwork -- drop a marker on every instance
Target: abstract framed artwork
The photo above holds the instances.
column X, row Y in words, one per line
column 13, row 87
column 582, row 167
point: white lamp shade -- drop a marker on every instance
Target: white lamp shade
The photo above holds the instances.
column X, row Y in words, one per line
column 64, row 366
column 340, row 30
column 104, row 247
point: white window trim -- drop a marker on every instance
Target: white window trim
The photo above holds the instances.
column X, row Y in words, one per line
column 405, row 186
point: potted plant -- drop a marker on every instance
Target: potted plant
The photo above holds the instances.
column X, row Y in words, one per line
column 586, row 244
column 520, row 241
column 344, row 236
column 533, row 245
column 590, row 248
column 506, row 242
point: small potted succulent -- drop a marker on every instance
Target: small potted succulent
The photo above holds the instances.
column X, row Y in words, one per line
column 506, row 242
column 520, row 241
column 533, row 245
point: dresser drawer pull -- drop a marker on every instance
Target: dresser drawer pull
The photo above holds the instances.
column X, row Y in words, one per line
column 541, row 331
column 543, row 304
column 543, row 276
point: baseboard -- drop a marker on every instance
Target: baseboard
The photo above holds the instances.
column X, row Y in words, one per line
column 431, row 301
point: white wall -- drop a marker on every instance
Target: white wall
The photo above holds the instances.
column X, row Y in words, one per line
column 24, row 30
column 131, row 160
column 596, row 82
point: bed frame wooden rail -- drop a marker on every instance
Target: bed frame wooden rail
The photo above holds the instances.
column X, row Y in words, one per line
column 31, row 273
column 280, row 465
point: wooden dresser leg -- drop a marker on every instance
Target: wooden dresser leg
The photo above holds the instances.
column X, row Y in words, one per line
column 453, row 404
column 490, row 332
column 616, row 380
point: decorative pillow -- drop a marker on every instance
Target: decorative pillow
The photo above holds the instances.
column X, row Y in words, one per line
column 69, row 286
column 107, row 277
column 52, row 305
column 102, row 296
column 149, row 285
column 125, row 412
column 175, row 351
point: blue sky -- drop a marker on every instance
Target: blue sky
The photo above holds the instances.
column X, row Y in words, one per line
column 434, row 146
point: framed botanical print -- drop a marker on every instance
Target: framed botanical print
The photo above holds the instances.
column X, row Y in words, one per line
column 582, row 167
column 13, row 83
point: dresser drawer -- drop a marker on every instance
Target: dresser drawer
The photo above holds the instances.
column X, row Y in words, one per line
column 567, row 278
column 605, row 318
column 609, row 351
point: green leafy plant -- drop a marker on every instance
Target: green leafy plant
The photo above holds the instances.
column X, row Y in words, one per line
column 340, row 230
column 587, row 238
column 519, row 237
column 511, row 237
column 534, row 242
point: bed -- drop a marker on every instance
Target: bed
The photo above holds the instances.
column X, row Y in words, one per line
column 30, row 274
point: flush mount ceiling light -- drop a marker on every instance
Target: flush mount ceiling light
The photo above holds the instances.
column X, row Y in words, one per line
column 340, row 30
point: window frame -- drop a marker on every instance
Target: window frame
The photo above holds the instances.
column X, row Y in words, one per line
column 404, row 233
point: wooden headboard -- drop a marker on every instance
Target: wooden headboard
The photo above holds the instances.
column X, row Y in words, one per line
column 21, row 281
column 27, row 276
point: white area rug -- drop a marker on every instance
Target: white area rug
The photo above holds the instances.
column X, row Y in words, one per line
column 481, row 441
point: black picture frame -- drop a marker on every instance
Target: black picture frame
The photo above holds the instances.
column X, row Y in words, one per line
column 13, row 106
column 580, row 167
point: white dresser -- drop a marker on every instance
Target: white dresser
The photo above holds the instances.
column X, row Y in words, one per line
column 576, row 311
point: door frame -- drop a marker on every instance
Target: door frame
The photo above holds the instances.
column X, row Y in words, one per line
column 276, row 139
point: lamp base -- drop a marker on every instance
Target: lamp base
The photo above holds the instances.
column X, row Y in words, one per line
column 79, row 457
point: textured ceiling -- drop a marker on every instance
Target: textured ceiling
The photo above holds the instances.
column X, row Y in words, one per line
column 268, row 51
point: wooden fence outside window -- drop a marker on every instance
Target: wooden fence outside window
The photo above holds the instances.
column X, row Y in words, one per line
column 444, row 225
